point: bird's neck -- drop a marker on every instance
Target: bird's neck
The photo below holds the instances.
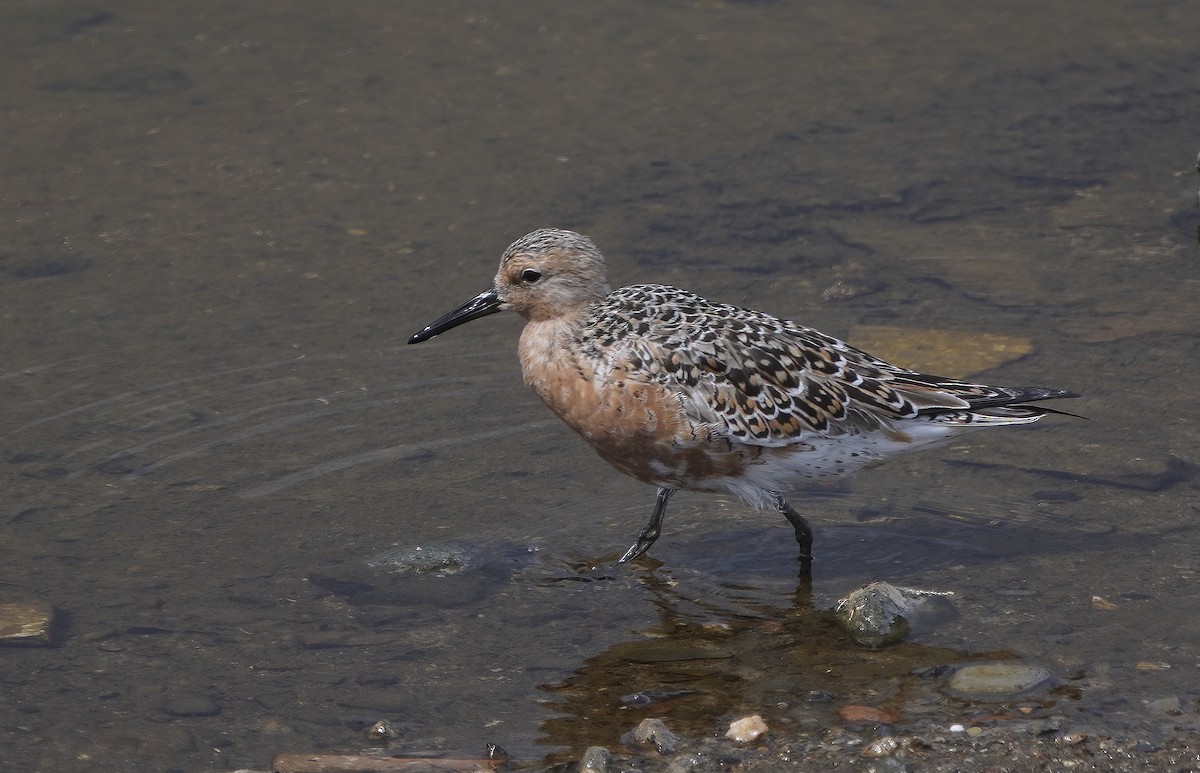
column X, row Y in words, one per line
column 544, row 345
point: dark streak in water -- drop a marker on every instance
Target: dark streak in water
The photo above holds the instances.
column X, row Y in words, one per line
column 1177, row 471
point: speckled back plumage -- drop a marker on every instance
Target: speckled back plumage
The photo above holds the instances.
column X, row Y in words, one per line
column 768, row 381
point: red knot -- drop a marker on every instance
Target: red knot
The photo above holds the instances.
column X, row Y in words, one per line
column 683, row 393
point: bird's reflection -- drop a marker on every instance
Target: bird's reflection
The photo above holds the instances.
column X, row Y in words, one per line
column 705, row 665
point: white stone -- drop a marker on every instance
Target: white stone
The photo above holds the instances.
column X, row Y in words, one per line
column 746, row 729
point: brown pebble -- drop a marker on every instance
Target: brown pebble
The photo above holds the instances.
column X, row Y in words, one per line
column 855, row 714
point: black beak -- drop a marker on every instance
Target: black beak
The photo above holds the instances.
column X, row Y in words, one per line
column 487, row 302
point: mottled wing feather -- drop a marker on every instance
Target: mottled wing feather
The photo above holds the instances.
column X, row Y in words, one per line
column 756, row 378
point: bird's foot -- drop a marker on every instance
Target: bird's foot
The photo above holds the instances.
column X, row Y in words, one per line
column 636, row 549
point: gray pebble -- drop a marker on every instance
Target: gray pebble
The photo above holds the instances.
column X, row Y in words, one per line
column 423, row 560
column 686, row 763
column 997, row 681
column 880, row 613
column 1169, row 706
column 652, row 731
column 595, row 760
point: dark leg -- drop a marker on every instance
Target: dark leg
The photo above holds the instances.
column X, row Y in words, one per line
column 651, row 532
column 803, row 532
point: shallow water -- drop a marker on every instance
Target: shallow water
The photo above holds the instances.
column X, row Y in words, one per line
column 224, row 221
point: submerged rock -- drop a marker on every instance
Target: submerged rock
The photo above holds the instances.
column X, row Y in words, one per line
column 952, row 352
column 595, row 760
column 25, row 622
column 854, row 714
column 423, row 560
column 669, row 651
column 647, row 697
column 1171, row 706
column 880, row 613
column 652, row 732
column 997, row 681
column 447, row 575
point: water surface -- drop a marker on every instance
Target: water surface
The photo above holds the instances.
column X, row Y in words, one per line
column 223, row 221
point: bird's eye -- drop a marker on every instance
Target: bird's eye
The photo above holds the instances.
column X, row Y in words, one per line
column 529, row 276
